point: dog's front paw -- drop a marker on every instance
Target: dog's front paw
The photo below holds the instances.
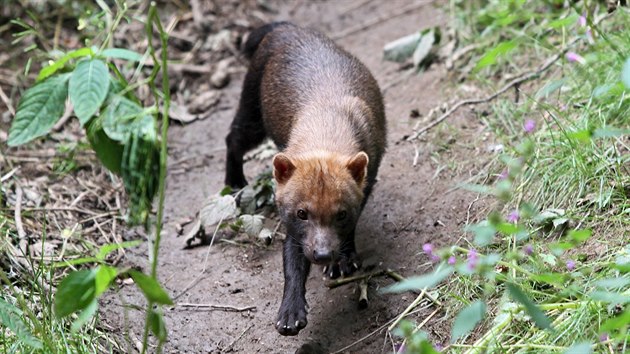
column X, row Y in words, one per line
column 291, row 319
column 344, row 266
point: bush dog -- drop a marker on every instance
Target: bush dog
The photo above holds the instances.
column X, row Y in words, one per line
column 324, row 111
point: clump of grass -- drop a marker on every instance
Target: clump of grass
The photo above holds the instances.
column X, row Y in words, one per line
column 548, row 270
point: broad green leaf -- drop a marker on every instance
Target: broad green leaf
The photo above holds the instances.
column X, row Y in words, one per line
column 104, row 276
column 151, row 288
column 76, row 292
column 550, row 278
column 110, row 247
column 61, row 62
column 508, row 229
column 11, row 319
column 39, row 109
column 618, row 323
column 467, row 319
column 158, row 327
column 609, row 132
column 483, row 231
column 84, row 316
column 579, row 348
column 625, row 73
column 420, row 282
column 88, row 88
column 119, row 117
column 550, row 88
column 539, row 317
column 108, row 151
column 121, row 53
column 581, row 135
column 493, row 54
column 563, row 22
column 613, row 283
column 610, row 297
column 580, row 235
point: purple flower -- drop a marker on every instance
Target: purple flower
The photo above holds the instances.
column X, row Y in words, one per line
column 513, row 216
column 528, row 249
column 473, row 259
column 504, row 174
column 570, row 265
column 427, row 248
column 452, row 260
column 400, row 348
column 435, row 258
column 582, row 20
column 603, row 337
column 575, row 57
column 529, row 125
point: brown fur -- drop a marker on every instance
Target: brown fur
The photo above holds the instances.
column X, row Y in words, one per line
column 324, row 110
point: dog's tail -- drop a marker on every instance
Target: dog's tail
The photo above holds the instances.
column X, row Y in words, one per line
column 257, row 35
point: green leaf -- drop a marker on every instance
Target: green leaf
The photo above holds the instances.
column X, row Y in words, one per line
column 108, row 151
column 40, row 108
column 579, row 348
column 84, row 316
column 120, row 115
column 550, row 88
column 151, row 288
column 61, row 62
column 426, row 44
column 104, row 276
column 467, row 319
column 532, row 310
column 12, row 319
column 610, row 297
column 420, row 282
column 217, row 209
column 121, row 53
column 88, row 88
column 76, row 292
column 402, row 48
column 140, row 169
column 563, row 22
column 618, row 323
column 110, row 247
column 580, row 235
column 609, row 132
column 625, row 73
column 252, row 225
column 158, row 327
column 613, row 283
column 581, row 135
column 550, row 278
column 483, row 231
column 493, row 54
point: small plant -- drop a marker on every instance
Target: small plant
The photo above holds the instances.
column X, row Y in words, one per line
column 124, row 135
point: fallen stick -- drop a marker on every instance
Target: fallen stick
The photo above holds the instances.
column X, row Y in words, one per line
column 227, row 308
column 343, row 281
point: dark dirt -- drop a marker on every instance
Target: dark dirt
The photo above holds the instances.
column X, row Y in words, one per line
column 411, row 205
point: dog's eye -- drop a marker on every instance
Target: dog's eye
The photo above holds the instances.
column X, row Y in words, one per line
column 341, row 215
column 301, row 213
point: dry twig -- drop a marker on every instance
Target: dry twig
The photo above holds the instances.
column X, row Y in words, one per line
column 227, row 308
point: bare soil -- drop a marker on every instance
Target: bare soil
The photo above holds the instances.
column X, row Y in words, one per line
column 411, row 205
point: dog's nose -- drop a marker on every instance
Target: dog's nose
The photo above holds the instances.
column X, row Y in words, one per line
column 322, row 256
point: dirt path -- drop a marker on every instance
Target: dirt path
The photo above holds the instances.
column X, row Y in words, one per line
column 409, row 206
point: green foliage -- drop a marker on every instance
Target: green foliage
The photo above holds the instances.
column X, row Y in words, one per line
column 11, row 319
column 75, row 292
column 40, row 108
column 467, row 319
column 536, row 313
column 88, row 88
column 151, row 288
column 420, row 282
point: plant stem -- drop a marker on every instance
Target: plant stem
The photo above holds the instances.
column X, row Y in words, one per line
column 152, row 19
